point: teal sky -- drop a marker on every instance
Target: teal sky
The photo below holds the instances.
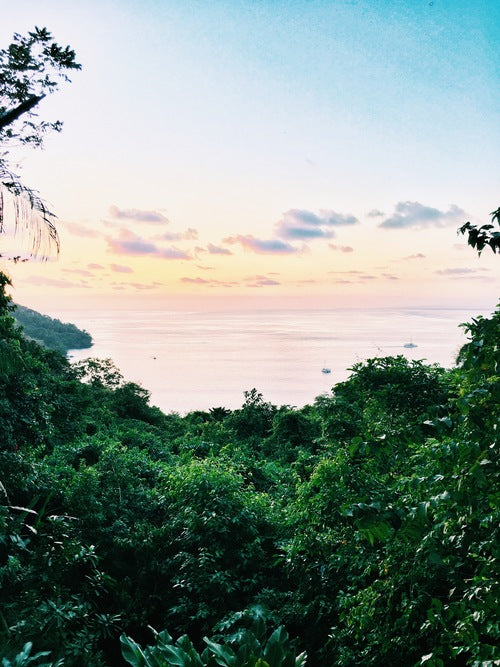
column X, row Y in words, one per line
column 257, row 131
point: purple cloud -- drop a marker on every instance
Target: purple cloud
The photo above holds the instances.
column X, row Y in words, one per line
column 80, row 272
column 209, row 283
column 355, row 274
column 137, row 286
column 195, row 281
column 120, row 268
column 54, row 282
column 131, row 244
column 341, row 248
column 261, row 246
column 152, row 217
column 188, row 235
column 261, row 281
column 306, row 225
column 172, row 253
column 412, row 214
column 459, row 271
column 218, row 250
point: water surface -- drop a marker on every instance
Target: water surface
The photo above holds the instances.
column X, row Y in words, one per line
column 195, row 360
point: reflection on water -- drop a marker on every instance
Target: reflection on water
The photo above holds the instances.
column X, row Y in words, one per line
column 192, row 361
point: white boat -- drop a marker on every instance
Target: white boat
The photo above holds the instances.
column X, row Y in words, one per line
column 410, row 345
column 326, row 370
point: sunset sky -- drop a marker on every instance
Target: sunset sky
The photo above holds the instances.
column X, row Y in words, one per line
column 267, row 152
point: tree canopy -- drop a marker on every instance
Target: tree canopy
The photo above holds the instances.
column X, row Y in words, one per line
column 31, row 67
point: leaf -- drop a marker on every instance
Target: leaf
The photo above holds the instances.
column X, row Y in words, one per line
column 300, row 660
column 175, row 655
column 274, row 652
column 187, row 645
column 224, row 655
column 162, row 637
column 132, row 652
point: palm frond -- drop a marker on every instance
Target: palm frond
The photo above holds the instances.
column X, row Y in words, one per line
column 21, row 207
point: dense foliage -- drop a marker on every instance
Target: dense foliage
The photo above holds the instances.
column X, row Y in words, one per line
column 359, row 530
column 52, row 333
column 365, row 524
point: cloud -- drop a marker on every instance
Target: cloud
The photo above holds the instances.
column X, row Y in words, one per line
column 93, row 265
column 172, row 253
column 305, row 225
column 341, row 248
column 120, row 268
column 356, row 276
column 80, row 272
column 459, row 271
column 390, row 276
column 196, row 281
column 261, row 281
column 133, row 245
column 351, row 272
column 418, row 255
column 188, row 235
column 137, row 286
column 208, row 283
column 412, row 214
column 218, row 250
column 263, row 247
column 205, row 268
column 375, row 213
column 151, row 217
column 80, row 230
column 130, row 244
column 54, row 282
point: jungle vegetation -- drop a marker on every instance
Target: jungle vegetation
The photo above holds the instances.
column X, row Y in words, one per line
column 359, row 530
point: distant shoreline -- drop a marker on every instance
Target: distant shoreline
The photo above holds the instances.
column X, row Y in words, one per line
column 51, row 332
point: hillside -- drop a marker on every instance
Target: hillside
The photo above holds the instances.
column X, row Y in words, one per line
column 50, row 332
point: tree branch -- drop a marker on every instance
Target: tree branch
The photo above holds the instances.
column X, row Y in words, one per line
column 24, row 107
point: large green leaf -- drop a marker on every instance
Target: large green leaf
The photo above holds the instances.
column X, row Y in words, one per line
column 223, row 655
column 274, row 652
column 132, row 652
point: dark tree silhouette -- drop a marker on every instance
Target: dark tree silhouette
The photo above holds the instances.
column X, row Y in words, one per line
column 31, row 67
column 486, row 235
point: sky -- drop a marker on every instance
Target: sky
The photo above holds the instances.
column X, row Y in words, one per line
column 266, row 153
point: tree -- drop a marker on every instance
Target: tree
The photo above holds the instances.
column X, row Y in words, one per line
column 31, row 67
column 480, row 237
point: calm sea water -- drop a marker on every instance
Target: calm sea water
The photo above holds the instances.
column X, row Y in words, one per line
column 195, row 361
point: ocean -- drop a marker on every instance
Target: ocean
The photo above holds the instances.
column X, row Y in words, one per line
column 198, row 360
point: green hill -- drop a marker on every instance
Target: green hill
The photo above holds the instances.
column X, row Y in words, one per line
column 52, row 333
